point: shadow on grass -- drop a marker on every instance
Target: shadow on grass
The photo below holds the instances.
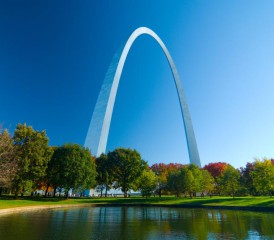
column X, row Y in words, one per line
column 229, row 201
column 32, row 198
column 218, row 201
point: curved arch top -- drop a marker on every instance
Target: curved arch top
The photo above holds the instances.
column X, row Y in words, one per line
column 97, row 136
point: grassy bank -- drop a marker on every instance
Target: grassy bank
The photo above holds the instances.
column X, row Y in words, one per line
column 241, row 202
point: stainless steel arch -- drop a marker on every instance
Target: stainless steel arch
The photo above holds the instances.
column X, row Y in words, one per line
column 98, row 131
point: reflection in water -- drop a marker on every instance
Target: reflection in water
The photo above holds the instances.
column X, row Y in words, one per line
column 137, row 223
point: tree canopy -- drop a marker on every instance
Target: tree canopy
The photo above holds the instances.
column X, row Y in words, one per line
column 263, row 176
column 33, row 153
column 229, row 181
column 127, row 166
column 147, row 182
column 162, row 172
column 104, row 170
column 8, row 160
column 75, row 167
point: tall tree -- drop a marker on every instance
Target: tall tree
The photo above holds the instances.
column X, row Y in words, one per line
column 263, row 176
column 33, row 155
column 181, row 181
column 162, row 171
column 197, row 184
column 104, row 170
column 174, row 183
column 127, row 166
column 8, row 160
column 53, row 174
column 187, row 181
column 216, row 170
column 229, row 181
column 207, row 182
column 76, row 167
column 247, row 178
column 147, row 182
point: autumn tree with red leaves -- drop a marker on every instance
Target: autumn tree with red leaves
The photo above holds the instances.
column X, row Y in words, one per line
column 162, row 172
column 216, row 170
column 247, row 178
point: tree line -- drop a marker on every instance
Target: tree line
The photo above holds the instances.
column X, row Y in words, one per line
column 28, row 163
column 256, row 178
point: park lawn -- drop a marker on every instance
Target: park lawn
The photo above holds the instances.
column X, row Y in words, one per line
column 25, row 201
column 166, row 201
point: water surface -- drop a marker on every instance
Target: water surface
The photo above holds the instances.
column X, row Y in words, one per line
column 136, row 223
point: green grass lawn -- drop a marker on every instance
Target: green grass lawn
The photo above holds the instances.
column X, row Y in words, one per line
column 9, row 202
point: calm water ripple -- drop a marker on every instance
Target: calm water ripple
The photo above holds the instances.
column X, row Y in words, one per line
column 136, row 223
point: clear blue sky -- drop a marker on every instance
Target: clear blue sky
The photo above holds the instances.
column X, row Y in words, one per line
column 54, row 55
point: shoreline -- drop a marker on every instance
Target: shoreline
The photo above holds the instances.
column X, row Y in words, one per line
column 44, row 207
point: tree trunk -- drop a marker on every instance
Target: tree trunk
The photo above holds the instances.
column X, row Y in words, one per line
column 46, row 192
column 16, row 194
column 22, row 192
column 124, row 189
column 106, row 192
column 160, row 192
column 1, row 189
column 54, row 191
column 67, row 194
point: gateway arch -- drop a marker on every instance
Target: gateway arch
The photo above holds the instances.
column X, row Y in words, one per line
column 97, row 136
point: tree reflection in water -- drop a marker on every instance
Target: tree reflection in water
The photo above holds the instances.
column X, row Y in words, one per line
column 137, row 223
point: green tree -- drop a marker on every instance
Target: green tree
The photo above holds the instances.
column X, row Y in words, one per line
column 216, row 169
column 33, row 154
column 147, row 182
column 8, row 160
column 188, row 181
column 162, row 171
column 229, row 181
column 181, row 181
column 197, row 183
column 207, row 182
column 53, row 174
column 127, row 166
column 174, row 182
column 247, row 179
column 76, row 167
column 263, row 176
column 104, row 170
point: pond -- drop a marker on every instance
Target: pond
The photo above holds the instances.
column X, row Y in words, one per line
column 136, row 223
